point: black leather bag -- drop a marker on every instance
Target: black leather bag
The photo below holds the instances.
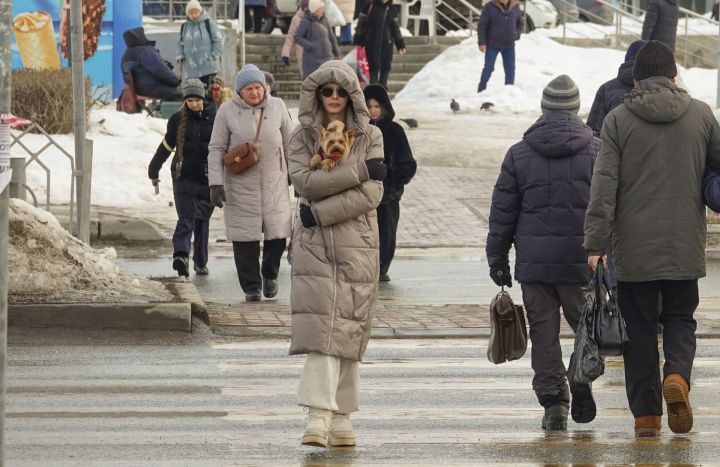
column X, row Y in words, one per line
column 508, row 332
column 610, row 334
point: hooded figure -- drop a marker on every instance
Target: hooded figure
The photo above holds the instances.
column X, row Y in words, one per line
column 334, row 254
column 610, row 93
column 647, row 197
column 539, row 204
column 152, row 77
column 401, row 169
column 199, row 47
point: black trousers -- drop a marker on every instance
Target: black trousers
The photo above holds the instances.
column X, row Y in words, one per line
column 247, row 263
column 542, row 303
column 638, row 303
column 254, row 25
column 388, row 216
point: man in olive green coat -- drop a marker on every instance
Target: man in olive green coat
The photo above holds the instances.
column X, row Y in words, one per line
column 646, row 192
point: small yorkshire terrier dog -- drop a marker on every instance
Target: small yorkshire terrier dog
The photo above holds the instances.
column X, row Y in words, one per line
column 334, row 145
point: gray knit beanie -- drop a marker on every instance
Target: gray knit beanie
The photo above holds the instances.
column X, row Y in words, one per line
column 247, row 75
column 561, row 94
column 193, row 87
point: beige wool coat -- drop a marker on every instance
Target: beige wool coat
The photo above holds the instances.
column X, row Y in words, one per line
column 335, row 264
column 258, row 200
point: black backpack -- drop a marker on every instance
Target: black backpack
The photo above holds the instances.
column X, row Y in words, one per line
column 207, row 26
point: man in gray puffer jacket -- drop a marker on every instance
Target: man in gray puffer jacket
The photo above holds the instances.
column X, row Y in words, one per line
column 646, row 192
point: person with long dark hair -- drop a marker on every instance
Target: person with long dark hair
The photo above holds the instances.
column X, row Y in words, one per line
column 188, row 135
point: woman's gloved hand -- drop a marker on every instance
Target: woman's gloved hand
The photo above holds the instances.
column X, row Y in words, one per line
column 377, row 170
column 217, row 195
column 306, row 216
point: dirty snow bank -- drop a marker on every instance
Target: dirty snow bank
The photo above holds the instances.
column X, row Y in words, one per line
column 48, row 265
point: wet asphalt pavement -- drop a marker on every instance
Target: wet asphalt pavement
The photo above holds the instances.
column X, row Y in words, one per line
column 132, row 399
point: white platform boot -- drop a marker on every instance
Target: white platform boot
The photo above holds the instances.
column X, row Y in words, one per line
column 316, row 430
column 341, row 430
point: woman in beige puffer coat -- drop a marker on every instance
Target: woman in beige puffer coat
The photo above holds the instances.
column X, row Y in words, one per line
column 335, row 252
column 257, row 201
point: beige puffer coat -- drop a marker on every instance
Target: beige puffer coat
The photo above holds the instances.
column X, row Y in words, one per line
column 335, row 264
column 258, row 200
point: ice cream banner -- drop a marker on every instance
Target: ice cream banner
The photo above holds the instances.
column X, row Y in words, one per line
column 41, row 36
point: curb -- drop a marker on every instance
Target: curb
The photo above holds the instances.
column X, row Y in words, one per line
column 126, row 316
column 135, row 316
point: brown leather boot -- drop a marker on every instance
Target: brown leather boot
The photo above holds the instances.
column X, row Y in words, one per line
column 647, row 426
column 675, row 391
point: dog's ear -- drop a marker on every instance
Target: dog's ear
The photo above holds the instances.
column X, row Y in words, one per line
column 350, row 136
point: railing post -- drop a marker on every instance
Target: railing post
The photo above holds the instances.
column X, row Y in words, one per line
column 84, row 185
column 686, row 42
column 241, row 25
column 5, row 98
column 564, row 17
column 17, row 182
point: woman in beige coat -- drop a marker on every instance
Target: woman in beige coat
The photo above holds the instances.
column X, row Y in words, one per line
column 257, row 205
column 335, row 252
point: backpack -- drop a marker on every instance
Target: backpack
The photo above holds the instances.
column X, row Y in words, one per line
column 207, row 26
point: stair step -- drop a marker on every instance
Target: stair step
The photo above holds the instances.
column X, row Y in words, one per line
column 278, row 39
column 345, row 49
column 263, row 58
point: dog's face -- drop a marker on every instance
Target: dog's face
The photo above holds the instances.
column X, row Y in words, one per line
column 336, row 142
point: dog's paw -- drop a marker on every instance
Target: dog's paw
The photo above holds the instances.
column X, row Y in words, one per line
column 327, row 165
column 316, row 160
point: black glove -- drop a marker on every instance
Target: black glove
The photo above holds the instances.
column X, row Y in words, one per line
column 377, row 170
column 306, row 216
column 500, row 274
column 217, row 195
column 286, row 61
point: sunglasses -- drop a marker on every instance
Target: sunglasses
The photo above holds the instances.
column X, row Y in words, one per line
column 328, row 91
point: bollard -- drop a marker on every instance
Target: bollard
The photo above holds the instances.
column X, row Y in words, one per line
column 17, row 182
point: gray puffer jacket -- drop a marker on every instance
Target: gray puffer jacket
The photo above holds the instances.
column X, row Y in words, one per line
column 661, row 22
column 317, row 39
column 335, row 265
column 646, row 187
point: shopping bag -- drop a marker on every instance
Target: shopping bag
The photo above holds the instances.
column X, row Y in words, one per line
column 363, row 68
column 610, row 334
column 508, row 332
column 333, row 14
column 586, row 364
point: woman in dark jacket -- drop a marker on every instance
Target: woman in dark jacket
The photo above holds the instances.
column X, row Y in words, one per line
column 151, row 74
column 316, row 37
column 188, row 135
column 401, row 169
column 661, row 22
column 377, row 29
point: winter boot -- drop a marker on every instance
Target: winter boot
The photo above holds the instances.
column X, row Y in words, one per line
column 583, row 407
column 647, row 426
column 316, row 430
column 201, row 271
column 556, row 410
column 180, row 264
column 679, row 412
column 341, row 430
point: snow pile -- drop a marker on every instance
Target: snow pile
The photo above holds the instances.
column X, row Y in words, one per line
column 48, row 265
column 456, row 73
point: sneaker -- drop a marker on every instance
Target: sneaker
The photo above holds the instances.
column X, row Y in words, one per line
column 679, row 412
column 647, row 426
column 270, row 288
column 253, row 296
column 180, row 264
column 316, row 430
column 384, row 277
column 341, row 430
column 583, row 407
column 201, row 271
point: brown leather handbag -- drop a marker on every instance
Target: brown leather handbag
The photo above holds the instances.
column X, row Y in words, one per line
column 243, row 157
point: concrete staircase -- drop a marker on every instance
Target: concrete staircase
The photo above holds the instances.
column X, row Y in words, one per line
column 264, row 51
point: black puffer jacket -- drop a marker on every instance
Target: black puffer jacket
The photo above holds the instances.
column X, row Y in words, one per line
column 398, row 156
column 661, row 22
column 195, row 151
column 377, row 31
column 539, row 201
column 500, row 26
column 610, row 95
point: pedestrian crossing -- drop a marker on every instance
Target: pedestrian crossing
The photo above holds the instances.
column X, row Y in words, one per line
column 217, row 401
